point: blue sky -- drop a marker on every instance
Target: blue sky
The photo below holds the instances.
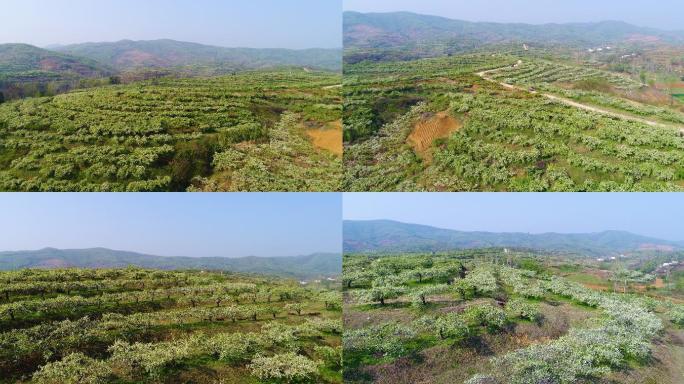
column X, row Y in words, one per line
column 652, row 214
column 663, row 14
column 229, row 23
column 175, row 224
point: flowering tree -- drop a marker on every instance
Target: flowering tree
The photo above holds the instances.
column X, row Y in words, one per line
column 451, row 326
column 75, row 368
column 380, row 294
column 285, row 368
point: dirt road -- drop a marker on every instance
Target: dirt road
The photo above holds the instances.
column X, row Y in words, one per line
column 575, row 104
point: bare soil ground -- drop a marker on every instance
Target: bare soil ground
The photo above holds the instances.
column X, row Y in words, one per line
column 328, row 138
column 426, row 131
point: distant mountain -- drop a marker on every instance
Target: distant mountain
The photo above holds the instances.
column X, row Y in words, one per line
column 17, row 60
column 319, row 264
column 127, row 54
column 391, row 31
column 392, row 236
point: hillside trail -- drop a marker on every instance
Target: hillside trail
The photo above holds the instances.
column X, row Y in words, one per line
column 578, row 105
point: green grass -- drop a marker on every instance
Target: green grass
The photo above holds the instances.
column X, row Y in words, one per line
column 587, row 278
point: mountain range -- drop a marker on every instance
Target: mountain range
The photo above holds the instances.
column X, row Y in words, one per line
column 385, row 236
column 307, row 266
column 101, row 59
column 165, row 53
column 433, row 35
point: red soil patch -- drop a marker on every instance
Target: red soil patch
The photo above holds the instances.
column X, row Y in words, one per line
column 643, row 38
column 657, row 247
column 328, row 138
column 50, row 65
column 135, row 57
column 53, row 263
column 426, row 131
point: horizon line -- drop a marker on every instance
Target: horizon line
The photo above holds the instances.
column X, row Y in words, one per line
column 515, row 22
column 52, row 45
column 168, row 256
column 514, row 232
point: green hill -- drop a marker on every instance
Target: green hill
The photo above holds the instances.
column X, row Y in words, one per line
column 318, row 264
column 18, row 59
column 127, row 54
column 392, row 236
column 423, row 35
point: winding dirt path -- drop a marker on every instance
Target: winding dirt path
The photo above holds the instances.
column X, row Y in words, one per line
column 575, row 104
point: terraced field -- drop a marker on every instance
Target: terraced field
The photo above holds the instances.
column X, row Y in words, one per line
column 538, row 71
column 146, row 326
column 511, row 140
column 245, row 132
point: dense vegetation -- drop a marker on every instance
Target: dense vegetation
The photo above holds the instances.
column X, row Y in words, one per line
column 489, row 316
column 147, row 326
column 241, row 132
column 511, row 137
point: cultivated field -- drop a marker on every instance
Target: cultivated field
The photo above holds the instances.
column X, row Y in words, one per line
column 495, row 316
column 251, row 131
column 147, row 326
column 526, row 123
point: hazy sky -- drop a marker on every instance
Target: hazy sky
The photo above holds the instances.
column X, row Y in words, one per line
column 653, row 214
column 663, row 14
column 229, row 23
column 175, row 224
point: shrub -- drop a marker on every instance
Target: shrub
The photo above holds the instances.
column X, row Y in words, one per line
column 389, row 339
column 451, row 326
column 235, row 347
column 76, row 368
column 331, row 356
column 285, row 368
column 677, row 315
column 488, row 316
column 521, row 309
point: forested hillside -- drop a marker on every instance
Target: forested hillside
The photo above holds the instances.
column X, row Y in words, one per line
column 378, row 36
column 383, row 236
column 306, row 266
column 127, row 54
